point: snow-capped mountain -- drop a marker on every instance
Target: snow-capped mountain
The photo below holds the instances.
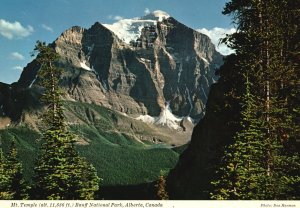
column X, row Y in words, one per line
column 152, row 68
column 131, row 29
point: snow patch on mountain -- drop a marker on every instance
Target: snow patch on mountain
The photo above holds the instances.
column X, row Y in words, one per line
column 179, row 73
column 205, row 60
column 214, row 81
column 189, row 98
column 166, row 118
column 32, row 82
column 130, row 29
column 146, row 119
column 190, row 120
column 203, row 92
column 84, row 66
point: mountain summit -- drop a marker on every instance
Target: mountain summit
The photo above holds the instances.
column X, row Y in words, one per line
column 131, row 29
column 152, row 68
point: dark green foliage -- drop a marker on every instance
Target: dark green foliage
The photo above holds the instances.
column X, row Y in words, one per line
column 89, row 181
column 72, row 177
column 106, row 150
column 142, row 166
column 49, row 76
column 12, row 183
column 27, row 143
column 262, row 162
column 18, row 186
column 60, row 172
column 5, row 191
column 243, row 167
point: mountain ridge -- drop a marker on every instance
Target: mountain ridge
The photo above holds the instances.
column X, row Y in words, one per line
column 167, row 70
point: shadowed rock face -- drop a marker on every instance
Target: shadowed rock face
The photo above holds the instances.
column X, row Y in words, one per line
column 197, row 165
column 169, row 62
column 191, row 177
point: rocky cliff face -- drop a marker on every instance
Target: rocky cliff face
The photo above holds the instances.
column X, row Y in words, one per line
column 13, row 100
column 156, row 69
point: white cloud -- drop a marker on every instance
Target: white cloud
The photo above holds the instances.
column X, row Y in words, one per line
column 147, row 11
column 46, row 27
column 19, row 68
column 14, row 30
column 17, row 56
column 215, row 34
column 116, row 17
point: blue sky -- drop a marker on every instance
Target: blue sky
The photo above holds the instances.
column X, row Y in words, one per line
column 23, row 22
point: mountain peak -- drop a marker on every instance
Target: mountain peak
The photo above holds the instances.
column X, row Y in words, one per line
column 130, row 29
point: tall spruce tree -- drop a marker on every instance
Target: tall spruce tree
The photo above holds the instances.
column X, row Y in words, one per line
column 18, row 185
column 262, row 44
column 243, row 168
column 12, row 183
column 60, row 172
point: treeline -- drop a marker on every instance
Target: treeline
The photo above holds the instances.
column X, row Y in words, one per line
column 263, row 161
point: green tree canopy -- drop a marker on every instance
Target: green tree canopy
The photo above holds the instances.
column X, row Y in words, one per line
column 60, row 172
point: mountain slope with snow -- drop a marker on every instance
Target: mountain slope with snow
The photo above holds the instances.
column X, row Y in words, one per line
column 165, row 118
column 130, row 29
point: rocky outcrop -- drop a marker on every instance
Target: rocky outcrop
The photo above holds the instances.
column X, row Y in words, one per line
column 10, row 98
column 14, row 100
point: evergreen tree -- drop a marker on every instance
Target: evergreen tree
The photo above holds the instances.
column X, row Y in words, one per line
column 5, row 189
column 89, row 182
column 18, row 186
column 12, row 184
column 243, row 167
column 269, row 128
column 60, row 172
